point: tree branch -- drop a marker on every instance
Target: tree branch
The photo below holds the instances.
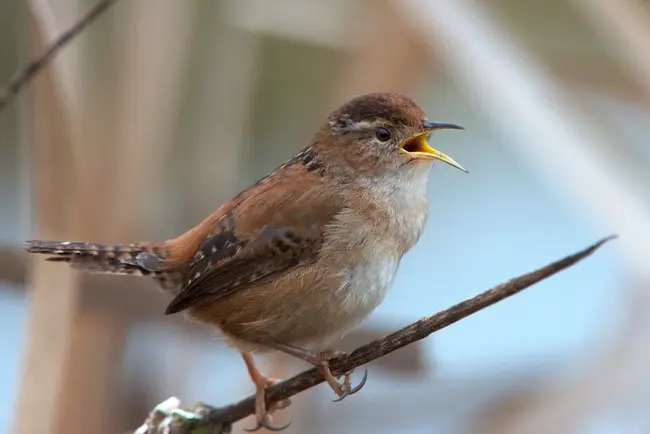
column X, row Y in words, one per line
column 25, row 74
column 204, row 418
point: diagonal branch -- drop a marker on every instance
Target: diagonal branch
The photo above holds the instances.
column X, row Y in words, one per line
column 219, row 420
column 25, row 74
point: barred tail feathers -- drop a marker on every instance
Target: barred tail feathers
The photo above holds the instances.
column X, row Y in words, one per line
column 137, row 259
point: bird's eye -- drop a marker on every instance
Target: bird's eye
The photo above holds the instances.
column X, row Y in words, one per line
column 382, row 134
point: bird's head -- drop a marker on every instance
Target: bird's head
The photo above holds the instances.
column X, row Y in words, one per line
column 379, row 133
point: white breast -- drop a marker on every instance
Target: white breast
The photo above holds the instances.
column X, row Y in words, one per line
column 402, row 197
column 366, row 285
column 362, row 289
column 377, row 241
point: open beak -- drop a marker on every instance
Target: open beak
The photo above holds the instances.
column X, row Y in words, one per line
column 418, row 147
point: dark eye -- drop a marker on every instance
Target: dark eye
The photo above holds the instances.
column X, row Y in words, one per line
column 382, row 134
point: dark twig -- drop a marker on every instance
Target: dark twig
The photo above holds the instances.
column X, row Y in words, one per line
column 27, row 72
column 219, row 420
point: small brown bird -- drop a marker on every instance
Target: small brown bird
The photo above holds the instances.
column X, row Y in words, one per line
column 302, row 257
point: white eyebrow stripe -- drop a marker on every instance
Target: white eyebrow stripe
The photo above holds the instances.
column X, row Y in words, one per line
column 363, row 125
column 353, row 126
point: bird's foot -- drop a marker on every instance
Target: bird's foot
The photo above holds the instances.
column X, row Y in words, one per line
column 342, row 389
column 263, row 414
column 321, row 359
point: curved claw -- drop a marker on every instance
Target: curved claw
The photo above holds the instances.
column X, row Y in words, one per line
column 268, row 426
column 352, row 391
column 359, row 386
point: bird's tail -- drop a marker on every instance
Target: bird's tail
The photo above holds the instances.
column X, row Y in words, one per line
column 138, row 259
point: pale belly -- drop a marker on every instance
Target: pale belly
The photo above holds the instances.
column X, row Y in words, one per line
column 361, row 292
column 343, row 308
column 320, row 317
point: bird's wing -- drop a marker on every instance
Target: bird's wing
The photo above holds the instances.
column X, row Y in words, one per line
column 266, row 231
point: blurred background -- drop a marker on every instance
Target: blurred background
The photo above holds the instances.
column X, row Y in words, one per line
column 163, row 109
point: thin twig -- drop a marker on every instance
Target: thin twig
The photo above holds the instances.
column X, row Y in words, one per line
column 219, row 420
column 27, row 72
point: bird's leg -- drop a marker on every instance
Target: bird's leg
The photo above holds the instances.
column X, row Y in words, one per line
column 262, row 414
column 320, row 359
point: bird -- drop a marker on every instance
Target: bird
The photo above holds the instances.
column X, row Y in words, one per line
column 304, row 255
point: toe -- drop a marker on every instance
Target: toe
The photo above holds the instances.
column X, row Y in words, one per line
column 281, row 405
column 347, row 389
column 265, row 422
column 331, row 354
column 262, row 412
